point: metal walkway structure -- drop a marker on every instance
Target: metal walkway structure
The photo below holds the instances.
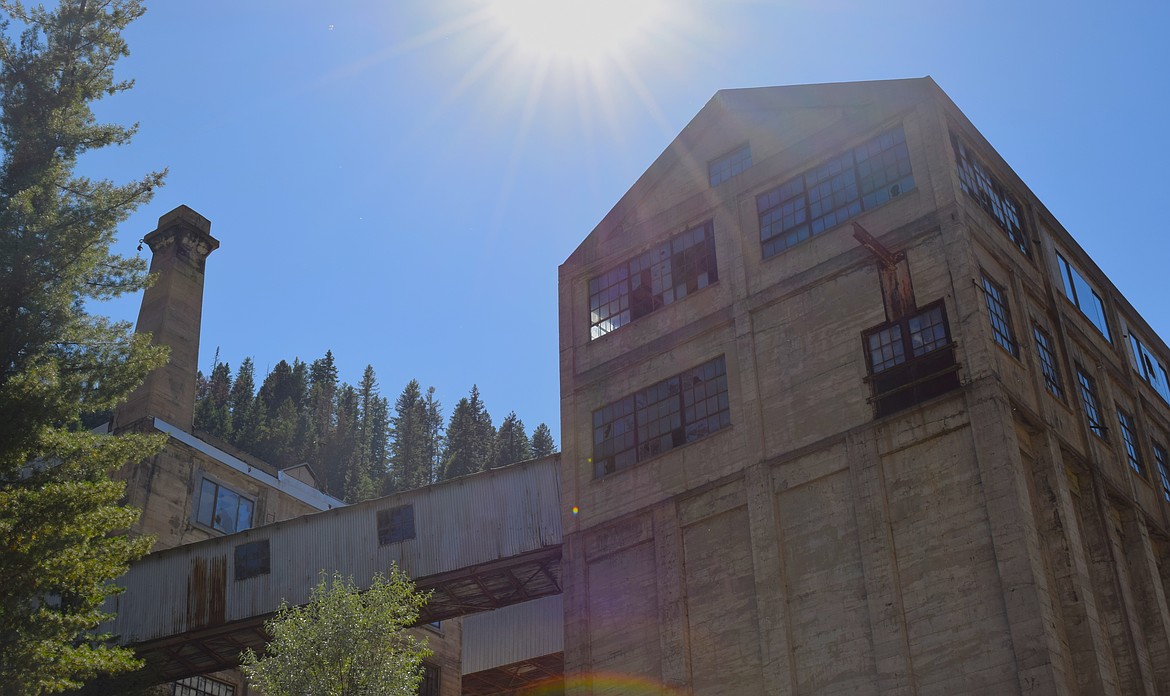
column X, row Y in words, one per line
column 480, row 542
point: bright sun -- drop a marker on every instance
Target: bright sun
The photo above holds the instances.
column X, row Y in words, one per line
column 579, row 30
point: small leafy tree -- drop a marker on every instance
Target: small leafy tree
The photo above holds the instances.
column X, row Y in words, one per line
column 344, row 642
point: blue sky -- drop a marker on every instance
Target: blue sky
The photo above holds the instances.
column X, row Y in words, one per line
column 398, row 180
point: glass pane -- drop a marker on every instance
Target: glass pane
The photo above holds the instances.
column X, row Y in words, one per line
column 225, row 511
column 206, row 503
column 244, row 519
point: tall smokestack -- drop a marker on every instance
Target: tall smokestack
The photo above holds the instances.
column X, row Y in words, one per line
column 171, row 311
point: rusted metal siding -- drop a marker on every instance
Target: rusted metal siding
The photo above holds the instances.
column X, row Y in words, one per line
column 513, row 634
column 463, row 523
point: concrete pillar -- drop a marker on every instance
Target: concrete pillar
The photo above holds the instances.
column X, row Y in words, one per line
column 171, row 312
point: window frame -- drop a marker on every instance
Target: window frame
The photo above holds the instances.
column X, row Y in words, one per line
column 733, row 160
column 922, row 375
column 627, row 432
column 1162, row 463
column 793, row 197
column 1129, row 442
column 1149, row 367
column 1091, row 403
column 999, row 315
column 197, row 512
column 426, row 685
column 203, row 686
column 991, row 194
column 1070, row 292
column 1049, row 364
column 619, row 279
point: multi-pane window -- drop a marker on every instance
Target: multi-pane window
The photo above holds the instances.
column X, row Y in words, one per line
column 201, row 686
column 723, row 168
column 1149, row 367
column 997, row 311
column 978, row 183
column 911, row 360
column 223, row 509
column 1129, row 438
column 395, row 524
column 665, row 274
column 1080, row 293
column 861, row 179
column 1162, row 460
column 429, row 684
column 1048, row 367
column 1090, row 402
column 660, row 417
column 253, row 559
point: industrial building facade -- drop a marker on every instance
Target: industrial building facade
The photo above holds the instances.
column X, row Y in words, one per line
column 846, row 410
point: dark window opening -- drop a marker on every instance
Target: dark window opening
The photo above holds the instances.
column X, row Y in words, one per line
column 669, row 414
column 1129, row 438
column 978, row 183
column 861, row 179
column 735, row 162
column 1000, row 316
column 202, row 686
column 1048, row 366
column 253, row 559
column 1091, row 404
column 223, row 509
column 395, row 524
column 1081, row 294
column 429, row 684
column 911, row 360
column 666, row 274
column 1162, row 459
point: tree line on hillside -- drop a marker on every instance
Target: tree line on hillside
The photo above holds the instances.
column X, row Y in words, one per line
column 351, row 437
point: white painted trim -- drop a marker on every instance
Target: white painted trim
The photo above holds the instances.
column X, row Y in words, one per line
column 281, row 482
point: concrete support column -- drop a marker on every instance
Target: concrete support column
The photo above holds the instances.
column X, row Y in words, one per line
column 771, row 594
column 1155, row 620
column 672, row 602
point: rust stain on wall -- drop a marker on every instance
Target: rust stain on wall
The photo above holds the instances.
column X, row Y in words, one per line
column 206, row 592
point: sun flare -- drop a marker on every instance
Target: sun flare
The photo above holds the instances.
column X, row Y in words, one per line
column 578, row 30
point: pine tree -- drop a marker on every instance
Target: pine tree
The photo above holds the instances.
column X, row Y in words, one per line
column 436, row 441
column 470, row 437
column 512, row 443
column 212, row 413
column 374, row 431
column 281, row 397
column 60, row 517
column 320, row 413
column 408, row 455
column 542, row 441
column 246, row 413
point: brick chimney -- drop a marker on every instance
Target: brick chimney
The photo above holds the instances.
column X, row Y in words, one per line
column 171, row 311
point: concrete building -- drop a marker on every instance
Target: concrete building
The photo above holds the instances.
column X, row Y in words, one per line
column 846, row 410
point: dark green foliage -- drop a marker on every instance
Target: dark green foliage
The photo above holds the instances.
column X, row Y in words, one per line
column 60, row 514
column 212, row 412
column 470, row 437
column 409, row 459
column 512, row 443
column 246, row 414
column 542, row 441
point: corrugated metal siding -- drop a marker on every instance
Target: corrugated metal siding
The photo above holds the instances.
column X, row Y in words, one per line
column 512, row 634
column 465, row 522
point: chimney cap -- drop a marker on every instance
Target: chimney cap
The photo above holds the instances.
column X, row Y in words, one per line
column 183, row 214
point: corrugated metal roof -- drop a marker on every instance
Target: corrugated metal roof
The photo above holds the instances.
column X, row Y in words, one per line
column 513, row 634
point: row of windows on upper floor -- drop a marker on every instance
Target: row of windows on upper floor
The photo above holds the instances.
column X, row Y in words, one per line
column 863, row 178
column 1144, row 363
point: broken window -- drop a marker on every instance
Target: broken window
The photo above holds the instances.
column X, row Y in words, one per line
column 911, row 360
column 669, row 414
column 998, row 313
column 723, row 168
column 429, row 684
column 977, row 182
column 202, row 686
column 1081, row 294
column 667, row 273
column 1129, row 439
column 1048, row 366
column 253, row 559
column 395, row 524
column 223, row 509
column 1149, row 367
column 861, row 179
column 1091, row 403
